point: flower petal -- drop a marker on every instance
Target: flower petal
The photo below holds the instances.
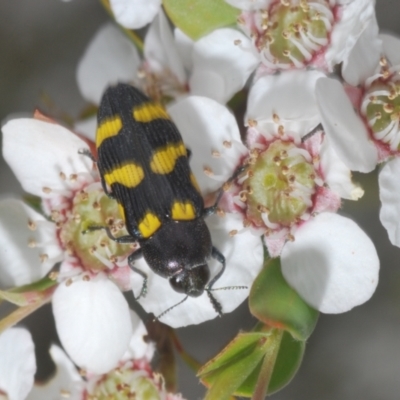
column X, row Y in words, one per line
column 346, row 131
column 134, row 14
column 205, row 125
column 160, row 50
column 221, row 67
column 354, row 19
column 109, row 58
column 331, row 263
column 65, row 383
column 389, row 193
column 364, row 57
column 21, row 264
column 337, row 175
column 184, row 45
column 17, row 363
column 391, row 47
column 244, row 257
column 290, row 96
column 38, row 151
column 93, row 322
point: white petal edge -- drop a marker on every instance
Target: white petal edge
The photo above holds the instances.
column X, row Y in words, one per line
column 291, row 96
column 93, row 322
column 19, row 263
column 221, row 67
column 134, row 14
column 391, row 47
column 184, row 46
column 205, row 124
column 332, row 264
column 160, row 50
column 389, row 193
column 363, row 59
column 355, row 17
column 337, row 175
column 17, row 363
column 37, row 151
column 345, row 129
column 66, row 381
column 109, row 58
column 244, row 258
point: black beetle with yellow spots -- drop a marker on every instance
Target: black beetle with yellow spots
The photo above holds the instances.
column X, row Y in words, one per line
column 144, row 166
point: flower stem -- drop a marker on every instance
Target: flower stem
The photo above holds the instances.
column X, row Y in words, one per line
column 186, row 357
column 267, row 368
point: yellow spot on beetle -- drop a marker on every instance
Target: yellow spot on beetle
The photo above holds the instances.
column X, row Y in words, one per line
column 183, row 211
column 147, row 112
column 149, row 224
column 129, row 175
column 164, row 158
column 108, row 128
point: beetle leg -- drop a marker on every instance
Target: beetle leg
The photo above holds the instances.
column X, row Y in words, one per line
column 87, row 153
column 215, row 253
column 121, row 239
column 211, row 210
column 131, row 261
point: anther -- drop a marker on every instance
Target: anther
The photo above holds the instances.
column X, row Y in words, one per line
column 86, row 278
column 292, row 178
column 227, row 144
column 92, row 250
column 233, row 232
column 53, row 275
column 43, row 257
column 290, row 237
column 113, row 259
column 236, row 42
column 285, row 3
column 65, row 393
column 281, row 130
column 134, row 246
column 73, row 177
column 383, row 61
column 110, row 221
column 275, row 118
column 55, row 215
column 83, row 196
column 243, row 196
column 220, row 212
column 46, row 190
column 285, row 169
column 286, row 53
column 77, row 218
column 208, row 171
column 96, row 206
column 246, row 223
column 277, row 160
column 286, row 35
column 103, row 243
column 251, row 122
column 216, row 153
column 389, row 108
column 32, row 243
column 226, row 186
column 32, row 225
column 63, row 177
column 263, row 209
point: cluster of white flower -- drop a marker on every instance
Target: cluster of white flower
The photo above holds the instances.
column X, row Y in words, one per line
column 305, row 132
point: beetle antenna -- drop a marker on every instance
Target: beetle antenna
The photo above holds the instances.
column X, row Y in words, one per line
column 215, row 303
column 169, row 309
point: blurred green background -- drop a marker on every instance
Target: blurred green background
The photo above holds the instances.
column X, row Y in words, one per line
column 350, row 356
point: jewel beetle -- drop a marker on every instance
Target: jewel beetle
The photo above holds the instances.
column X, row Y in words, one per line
column 144, row 165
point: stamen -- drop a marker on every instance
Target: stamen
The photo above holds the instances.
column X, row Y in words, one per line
column 32, row 225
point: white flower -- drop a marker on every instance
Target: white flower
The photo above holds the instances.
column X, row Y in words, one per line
column 297, row 33
column 17, row 363
column 44, row 156
column 134, row 14
column 68, row 382
column 290, row 190
column 213, row 66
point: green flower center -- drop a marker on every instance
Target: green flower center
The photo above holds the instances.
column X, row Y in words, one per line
column 294, row 31
column 122, row 384
column 280, row 185
column 381, row 106
column 95, row 249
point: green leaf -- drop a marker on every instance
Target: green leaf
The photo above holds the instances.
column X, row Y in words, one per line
column 229, row 369
column 288, row 361
column 276, row 304
column 29, row 294
column 197, row 18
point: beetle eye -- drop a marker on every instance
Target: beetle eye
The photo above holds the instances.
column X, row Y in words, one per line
column 178, row 283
